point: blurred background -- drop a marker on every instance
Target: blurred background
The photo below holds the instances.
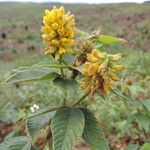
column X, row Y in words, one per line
column 21, row 45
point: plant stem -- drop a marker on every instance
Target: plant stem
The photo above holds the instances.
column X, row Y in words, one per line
column 50, row 110
column 62, row 72
column 81, row 99
column 61, row 69
column 63, row 101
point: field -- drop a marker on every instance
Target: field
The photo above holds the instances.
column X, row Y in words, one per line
column 21, row 45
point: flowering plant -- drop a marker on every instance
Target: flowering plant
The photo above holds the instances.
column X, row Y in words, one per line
column 80, row 59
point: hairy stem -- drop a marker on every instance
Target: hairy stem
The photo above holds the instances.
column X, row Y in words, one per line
column 81, row 99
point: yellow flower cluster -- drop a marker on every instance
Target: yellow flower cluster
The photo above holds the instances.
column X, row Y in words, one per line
column 81, row 49
column 58, row 32
column 99, row 72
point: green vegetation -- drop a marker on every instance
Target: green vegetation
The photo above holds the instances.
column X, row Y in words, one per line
column 123, row 114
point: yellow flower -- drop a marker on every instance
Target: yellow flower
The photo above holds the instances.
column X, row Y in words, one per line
column 96, row 84
column 115, row 57
column 99, row 72
column 58, row 32
column 90, row 68
column 117, row 67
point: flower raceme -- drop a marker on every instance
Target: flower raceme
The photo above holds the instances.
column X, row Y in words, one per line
column 58, row 32
column 99, row 72
column 99, row 68
column 81, row 49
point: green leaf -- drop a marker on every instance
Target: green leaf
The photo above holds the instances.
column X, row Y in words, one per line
column 146, row 146
column 51, row 65
column 119, row 93
column 38, row 121
column 83, row 34
column 143, row 120
column 67, row 127
column 128, row 123
column 68, row 60
column 146, row 104
column 66, row 83
column 92, row 133
column 69, row 86
column 33, row 147
column 109, row 39
column 79, row 68
column 32, row 74
column 13, row 134
column 98, row 45
column 17, row 143
column 132, row 147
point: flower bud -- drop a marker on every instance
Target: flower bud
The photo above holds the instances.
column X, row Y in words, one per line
column 115, row 57
column 91, row 58
column 114, row 77
column 117, row 67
